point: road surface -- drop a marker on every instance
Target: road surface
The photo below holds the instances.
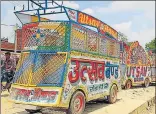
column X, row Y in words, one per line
column 127, row 101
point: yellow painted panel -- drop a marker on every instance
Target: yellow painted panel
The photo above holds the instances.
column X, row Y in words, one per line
column 35, row 19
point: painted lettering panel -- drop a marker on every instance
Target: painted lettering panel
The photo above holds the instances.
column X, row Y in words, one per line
column 95, row 75
column 102, row 27
column 35, row 95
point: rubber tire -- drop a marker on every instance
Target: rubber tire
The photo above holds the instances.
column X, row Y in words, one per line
column 128, row 86
column 146, row 85
column 71, row 108
column 32, row 111
column 110, row 100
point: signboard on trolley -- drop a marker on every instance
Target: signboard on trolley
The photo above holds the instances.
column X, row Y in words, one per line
column 89, row 20
column 36, row 95
column 72, row 14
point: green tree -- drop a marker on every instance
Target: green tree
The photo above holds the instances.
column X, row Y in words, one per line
column 122, row 37
column 151, row 45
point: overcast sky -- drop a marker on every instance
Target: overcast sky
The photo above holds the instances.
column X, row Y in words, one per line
column 136, row 19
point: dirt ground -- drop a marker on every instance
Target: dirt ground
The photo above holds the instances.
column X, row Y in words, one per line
column 152, row 110
column 127, row 101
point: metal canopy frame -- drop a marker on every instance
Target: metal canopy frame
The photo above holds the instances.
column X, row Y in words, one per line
column 46, row 7
column 41, row 8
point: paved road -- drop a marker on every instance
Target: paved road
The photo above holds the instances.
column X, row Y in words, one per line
column 127, row 101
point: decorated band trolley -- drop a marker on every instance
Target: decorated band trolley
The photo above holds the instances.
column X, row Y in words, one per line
column 136, row 65
column 64, row 63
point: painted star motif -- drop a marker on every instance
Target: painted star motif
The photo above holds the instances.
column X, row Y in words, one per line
column 38, row 35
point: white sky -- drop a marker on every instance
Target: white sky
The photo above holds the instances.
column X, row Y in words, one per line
column 136, row 19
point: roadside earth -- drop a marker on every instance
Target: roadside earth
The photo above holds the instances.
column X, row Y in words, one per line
column 152, row 110
column 127, row 101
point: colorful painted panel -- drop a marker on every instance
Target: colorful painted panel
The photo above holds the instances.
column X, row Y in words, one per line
column 41, row 69
column 86, row 40
column 111, row 48
column 24, row 68
column 123, row 57
column 110, row 32
column 88, row 20
column 48, row 69
column 103, row 46
column 137, row 55
column 102, row 27
column 124, row 49
column 94, row 75
column 92, row 41
column 46, row 36
column 78, row 37
column 138, row 72
column 40, row 96
column 27, row 31
column 97, row 76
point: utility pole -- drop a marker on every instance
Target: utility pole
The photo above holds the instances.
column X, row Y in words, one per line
column 15, row 50
column 15, row 41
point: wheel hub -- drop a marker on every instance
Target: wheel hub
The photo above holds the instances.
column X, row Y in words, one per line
column 113, row 94
column 128, row 85
column 78, row 103
column 146, row 82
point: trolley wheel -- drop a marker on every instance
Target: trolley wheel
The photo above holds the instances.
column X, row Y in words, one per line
column 147, row 82
column 77, row 104
column 128, row 84
column 113, row 94
column 33, row 111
